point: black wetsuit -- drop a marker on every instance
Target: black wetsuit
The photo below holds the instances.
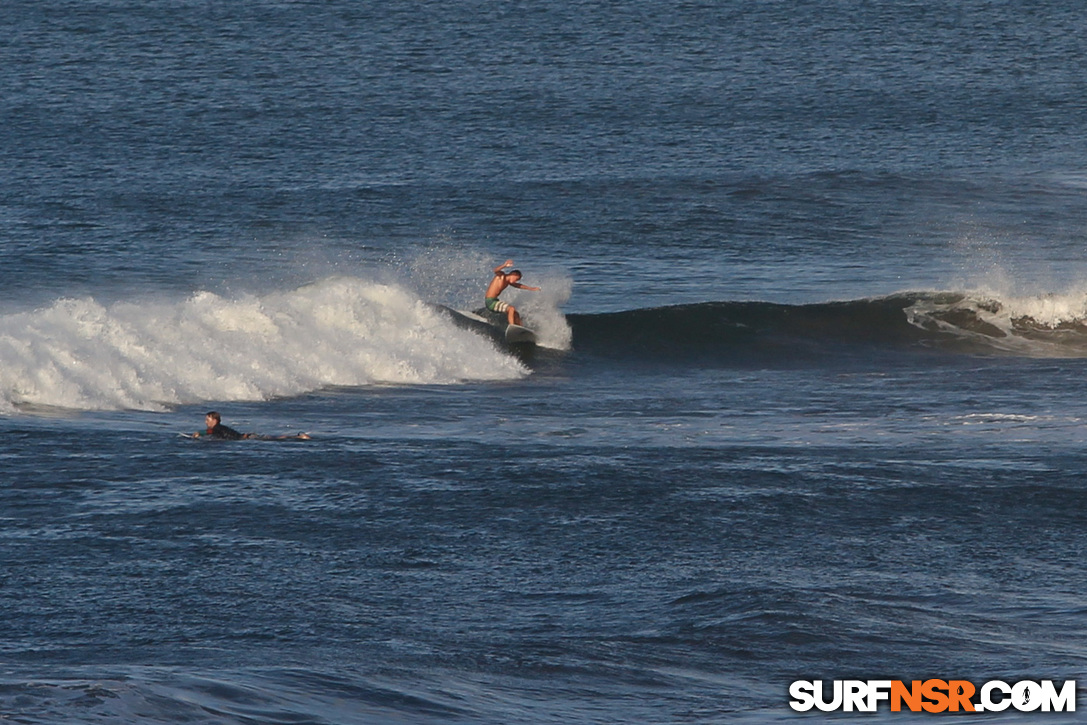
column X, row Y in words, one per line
column 225, row 432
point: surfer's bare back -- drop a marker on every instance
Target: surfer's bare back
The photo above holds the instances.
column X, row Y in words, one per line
column 501, row 281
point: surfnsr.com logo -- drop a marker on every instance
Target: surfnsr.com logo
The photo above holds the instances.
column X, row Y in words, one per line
column 933, row 696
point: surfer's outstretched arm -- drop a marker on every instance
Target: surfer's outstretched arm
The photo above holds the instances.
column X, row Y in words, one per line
column 499, row 268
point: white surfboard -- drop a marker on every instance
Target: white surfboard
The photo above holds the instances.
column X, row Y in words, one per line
column 494, row 326
column 519, row 335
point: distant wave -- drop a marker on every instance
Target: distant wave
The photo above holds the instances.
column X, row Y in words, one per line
column 765, row 333
column 81, row 354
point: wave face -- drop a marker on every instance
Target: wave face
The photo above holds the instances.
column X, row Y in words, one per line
column 85, row 355
column 81, row 354
column 768, row 333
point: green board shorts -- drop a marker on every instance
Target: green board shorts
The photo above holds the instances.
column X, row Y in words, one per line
column 495, row 305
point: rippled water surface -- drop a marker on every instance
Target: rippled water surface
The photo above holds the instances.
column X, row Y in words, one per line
column 805, row 404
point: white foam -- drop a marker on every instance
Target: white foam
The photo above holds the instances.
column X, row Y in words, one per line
column 1046, row 325
column 542, row 311
column 80, row 354
column 1051, row 310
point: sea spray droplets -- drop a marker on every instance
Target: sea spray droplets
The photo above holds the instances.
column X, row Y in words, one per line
column 80, row 354
column 543, row 310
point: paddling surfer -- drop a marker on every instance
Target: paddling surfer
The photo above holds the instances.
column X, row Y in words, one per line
column 216, row 429
column 501, row 281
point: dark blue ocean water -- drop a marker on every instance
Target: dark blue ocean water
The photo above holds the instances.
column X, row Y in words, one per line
column 808, row 401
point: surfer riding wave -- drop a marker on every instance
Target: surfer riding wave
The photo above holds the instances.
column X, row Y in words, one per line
column 501, row 281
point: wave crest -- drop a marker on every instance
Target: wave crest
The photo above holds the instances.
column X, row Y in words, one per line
column 1039, row 326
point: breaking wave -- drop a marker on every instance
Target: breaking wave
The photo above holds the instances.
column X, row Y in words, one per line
column 85, row 355
column 82, row 354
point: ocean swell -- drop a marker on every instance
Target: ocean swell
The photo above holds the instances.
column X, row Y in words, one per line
column 769, row 333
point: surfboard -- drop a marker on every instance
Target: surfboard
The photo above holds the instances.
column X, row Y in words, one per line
column 519, row 335
column 492, row 325
column 514, row 334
